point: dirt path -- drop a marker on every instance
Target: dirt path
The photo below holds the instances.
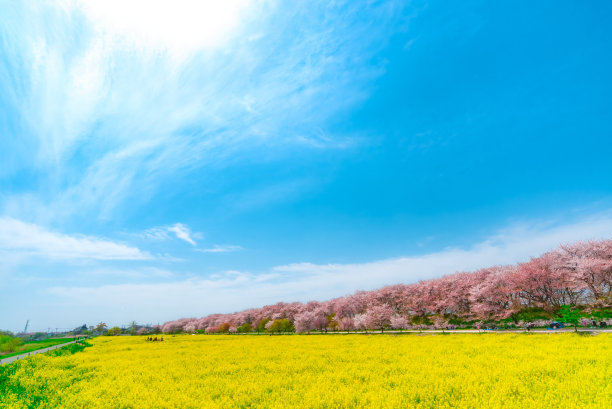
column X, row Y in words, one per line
column 27, row 354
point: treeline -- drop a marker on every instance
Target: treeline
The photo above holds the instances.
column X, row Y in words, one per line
column 133, row 329
column 577, row 275
column 9, row 342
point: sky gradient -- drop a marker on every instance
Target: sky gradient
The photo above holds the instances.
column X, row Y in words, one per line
column 160, row 161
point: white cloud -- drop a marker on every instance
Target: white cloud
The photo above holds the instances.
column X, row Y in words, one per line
column 179, row 230
column 117, row 123
column 163, row 301
column 514, row 244
column 180, row 26
column 234, row 290
column 33, row 240
column 182, row 232
column 127, row 274
column 221, row 249
column 156, row 233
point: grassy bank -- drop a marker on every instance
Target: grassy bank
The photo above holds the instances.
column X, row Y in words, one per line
column 35, row 345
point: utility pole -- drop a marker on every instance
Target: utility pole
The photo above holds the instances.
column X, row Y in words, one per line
column 26, row 327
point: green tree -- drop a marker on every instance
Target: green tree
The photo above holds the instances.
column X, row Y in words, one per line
column 420, row 321
column 570, row 315
column 331, row 321
column 101, row 328
column 601, row 315
column 8, row 344
column 114, row 331
column 245, row 328
column 261, row 325
column 282, row 325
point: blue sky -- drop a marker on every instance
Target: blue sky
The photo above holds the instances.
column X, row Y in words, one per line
column 162, row 161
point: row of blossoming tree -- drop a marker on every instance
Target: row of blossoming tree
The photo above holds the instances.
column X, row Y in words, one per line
column 578, row 275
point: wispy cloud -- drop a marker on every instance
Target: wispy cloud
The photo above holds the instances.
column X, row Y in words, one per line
column 178, row 230
column 156, row 233
column 227, row 248
column 182, row 232
column 234, row 290
column 33, row 240
column 151, row 273
column 513, row 244
column 114, row 120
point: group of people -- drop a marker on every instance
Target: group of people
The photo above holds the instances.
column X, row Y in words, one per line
column 154, row 339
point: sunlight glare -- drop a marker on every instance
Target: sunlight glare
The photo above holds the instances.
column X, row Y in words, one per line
column 179, row 25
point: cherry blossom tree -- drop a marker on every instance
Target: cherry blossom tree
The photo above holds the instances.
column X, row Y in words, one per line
column 360, row 321
column 344, row 307
column 316, row 314
column 542, row 284
column 399, row 322
column 345, row 323
column 378, row 317
column 190, row 327
column 590, row 266
column 439, row 322
column 577, row 275
column 494, row 295
column 305, row 321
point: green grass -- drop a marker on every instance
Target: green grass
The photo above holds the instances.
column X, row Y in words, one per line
column 10, row 384
column 35, row 345
column 70, row 349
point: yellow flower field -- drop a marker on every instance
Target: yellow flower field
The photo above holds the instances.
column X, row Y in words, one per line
column 322, row 371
